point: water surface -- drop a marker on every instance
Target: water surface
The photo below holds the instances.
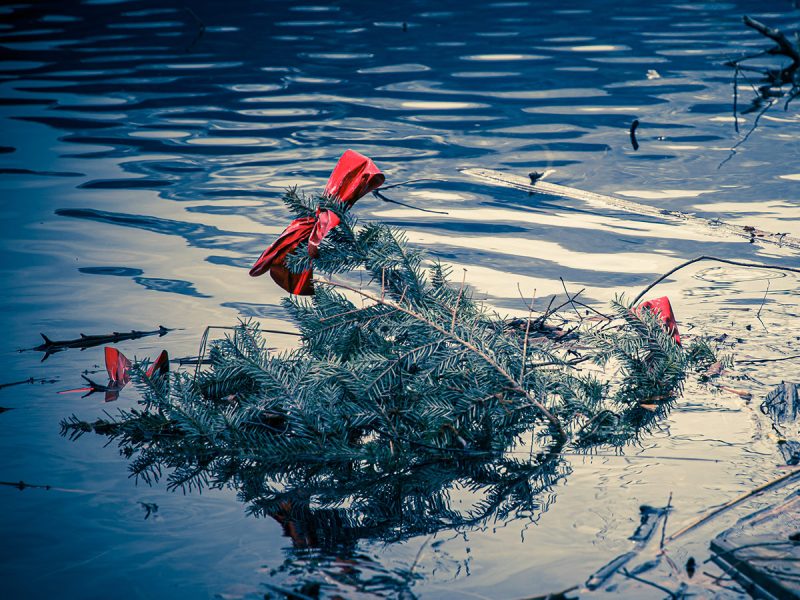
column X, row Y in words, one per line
column 143, row 150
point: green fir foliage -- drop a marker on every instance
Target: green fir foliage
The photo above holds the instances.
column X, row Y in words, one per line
column 402, row 381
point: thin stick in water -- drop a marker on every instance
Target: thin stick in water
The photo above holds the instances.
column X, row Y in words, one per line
column 736, row 263
column 784, row 479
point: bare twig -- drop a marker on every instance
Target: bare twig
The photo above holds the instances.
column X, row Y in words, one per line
column 764, row 299
column 749, row 133
column 571, row 300
column 760, row 308
column 666, row 518
column 630, row 575
column 594, row 310
column 736, row 263
column 638, row 456
column 419, row 553
column 380, row 196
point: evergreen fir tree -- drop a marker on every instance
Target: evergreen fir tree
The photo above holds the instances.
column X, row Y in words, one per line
column 403, row 392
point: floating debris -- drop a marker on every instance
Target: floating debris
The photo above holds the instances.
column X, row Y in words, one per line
column 90, row 341
column 761, row 551
column 649, row 518
column 29, row 380
column 782, row 405
column 150, row 508
column 716, row 226
column 21, row 485
column 634, row 141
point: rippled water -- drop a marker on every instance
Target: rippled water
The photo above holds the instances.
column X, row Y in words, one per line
column 143, row 150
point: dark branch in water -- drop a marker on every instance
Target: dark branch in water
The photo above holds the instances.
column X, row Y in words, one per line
column 380, row 196
column 90, row 341
column 30, row 380
column 21, row 485
column 784, row 47
column 733, row 149
column 402, row 183
column 634, row 141
column 770, row 90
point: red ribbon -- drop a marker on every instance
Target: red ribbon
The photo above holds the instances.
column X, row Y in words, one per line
column 118, row 367
column 160, row 366
column 663, row 310
column 354, row 176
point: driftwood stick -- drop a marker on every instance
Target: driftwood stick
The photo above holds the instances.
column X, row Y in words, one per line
column 737, row 263
column 784, row 479
column 551, row 189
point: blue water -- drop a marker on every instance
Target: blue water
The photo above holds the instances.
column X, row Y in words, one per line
column 143, row 150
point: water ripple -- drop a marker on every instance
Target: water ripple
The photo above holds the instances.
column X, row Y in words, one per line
column 145, row 148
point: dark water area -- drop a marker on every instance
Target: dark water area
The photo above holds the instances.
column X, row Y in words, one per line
column 144, row 147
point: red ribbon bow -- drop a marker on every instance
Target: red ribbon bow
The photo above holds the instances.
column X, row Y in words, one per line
column 663, row 310
column 354, row 176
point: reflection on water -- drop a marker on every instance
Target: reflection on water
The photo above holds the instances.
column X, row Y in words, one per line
column 329, row 509
column 149, row 143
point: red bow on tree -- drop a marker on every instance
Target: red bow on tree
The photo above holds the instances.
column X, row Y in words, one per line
column 663, row 310
column 354, row 176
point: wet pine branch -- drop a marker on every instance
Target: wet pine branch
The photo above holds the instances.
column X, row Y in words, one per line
column 393, row 378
